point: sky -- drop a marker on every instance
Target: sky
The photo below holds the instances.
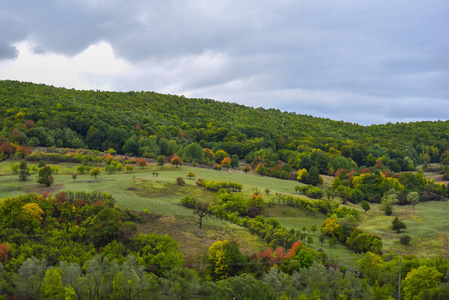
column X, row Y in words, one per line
column 366, row 62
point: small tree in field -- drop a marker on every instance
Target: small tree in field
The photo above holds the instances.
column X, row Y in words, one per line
column 177, row 161
column 202, row 210
column 161, row 161
column 405, row 240
column 397, row 225
column 413, row 198
column 45, row 176
column 180, row 181
column 24, row 171
column 95, row 172
column 191, row 174
column 313, row 228
column 322, row 237
column 129, row 168
column 142, row 162
column 74, row 175
column 365, row 206
column 309, row 240
column 246, row 169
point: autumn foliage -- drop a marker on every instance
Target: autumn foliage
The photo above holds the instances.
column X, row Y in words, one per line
column 4, row 253
column 142, row 162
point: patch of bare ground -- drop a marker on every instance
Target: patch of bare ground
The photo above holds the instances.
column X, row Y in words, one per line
column 52, row 189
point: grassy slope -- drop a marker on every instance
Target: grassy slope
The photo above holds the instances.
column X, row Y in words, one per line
column 428, row 226
column 139, row 190
column 160, row 195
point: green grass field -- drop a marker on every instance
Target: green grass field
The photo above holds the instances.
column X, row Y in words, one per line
column 141, row 190
column 427, row 225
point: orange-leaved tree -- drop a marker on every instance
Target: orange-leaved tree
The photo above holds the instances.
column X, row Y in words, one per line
column 142, row 162
column 176, row 160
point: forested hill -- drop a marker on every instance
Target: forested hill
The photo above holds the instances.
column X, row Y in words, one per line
column 151, row 124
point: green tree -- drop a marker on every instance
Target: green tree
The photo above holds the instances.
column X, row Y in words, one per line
column 95, row 172
column 161, row 161
column 313, row 228
column 244, row 286
column 309, row 240
column 190, row 174
column 15, row 168
column 314, row 176
column 235, row 161
column 29, row 278
column 322, row 238
column 397, row 225
column 202, row 210
column 413, row 198
column 387, row 203
column 52, row 286
column 419, row 280
column 333, row 242
column 129, row 281
column 365, row 206
column 193, row 152
column 181, row 283
column 330, row 193
column 24, row 171
column 225, row 259
column 405, row 239
column 45, row 176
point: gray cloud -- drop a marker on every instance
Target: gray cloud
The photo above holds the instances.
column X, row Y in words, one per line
column 361, row 61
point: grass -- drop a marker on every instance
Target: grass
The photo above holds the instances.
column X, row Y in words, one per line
column 194, row 243
column 291, row 217
column 427, row 224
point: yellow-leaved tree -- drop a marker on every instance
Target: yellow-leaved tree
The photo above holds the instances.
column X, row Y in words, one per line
column 331, row 225
column 32, row 211
column 225, row 259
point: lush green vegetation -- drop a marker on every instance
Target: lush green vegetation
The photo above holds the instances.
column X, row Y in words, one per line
column 202, row 172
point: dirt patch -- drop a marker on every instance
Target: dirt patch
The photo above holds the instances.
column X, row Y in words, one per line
column 96, row 181
column 52, row 189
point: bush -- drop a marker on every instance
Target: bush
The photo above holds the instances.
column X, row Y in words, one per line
column 180, row 181
column 405, row 240
column 315, row 193
column 189, row 202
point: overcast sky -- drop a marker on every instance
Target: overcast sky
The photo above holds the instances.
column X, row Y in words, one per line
column 362, row 61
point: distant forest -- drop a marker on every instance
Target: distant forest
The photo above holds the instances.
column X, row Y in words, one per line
column 149, row 124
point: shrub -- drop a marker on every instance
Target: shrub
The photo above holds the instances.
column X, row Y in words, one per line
column 315, row 193
column 405, row 240
column 180, row 181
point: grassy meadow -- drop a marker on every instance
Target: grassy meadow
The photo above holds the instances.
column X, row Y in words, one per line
column 141, row 189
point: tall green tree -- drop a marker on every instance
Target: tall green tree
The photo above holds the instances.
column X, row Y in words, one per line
column 45, row 176
column 413, row 198
column 24, row 171
column 419, row 280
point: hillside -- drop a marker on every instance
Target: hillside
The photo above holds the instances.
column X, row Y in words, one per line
column 151, row 124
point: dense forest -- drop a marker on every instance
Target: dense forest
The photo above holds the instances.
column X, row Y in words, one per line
column 80, row 245
column 150, row 124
